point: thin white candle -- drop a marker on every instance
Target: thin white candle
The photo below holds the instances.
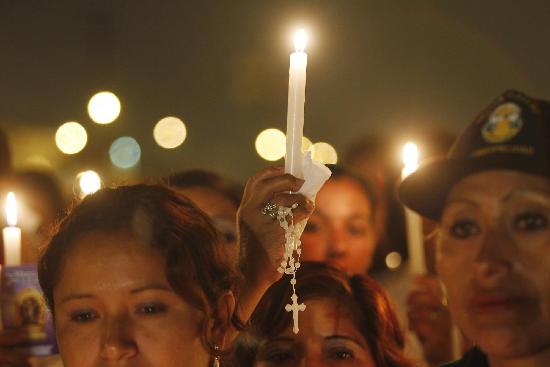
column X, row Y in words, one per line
column 296, row 100
column 415, row 236
column 12, row 234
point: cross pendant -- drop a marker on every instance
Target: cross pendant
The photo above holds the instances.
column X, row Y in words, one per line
column 295, row 308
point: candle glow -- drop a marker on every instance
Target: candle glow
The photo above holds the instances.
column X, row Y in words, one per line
column 410, row 158
column 300, row 40
column 11, row 210
column 11, row 234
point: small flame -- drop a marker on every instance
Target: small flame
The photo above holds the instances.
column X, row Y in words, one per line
column 11, row 210
column 300, row 40
column 410, row 157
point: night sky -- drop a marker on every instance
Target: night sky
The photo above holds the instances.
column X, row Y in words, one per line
column 222, row 66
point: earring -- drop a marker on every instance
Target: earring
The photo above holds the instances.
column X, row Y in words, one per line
column 216, row 357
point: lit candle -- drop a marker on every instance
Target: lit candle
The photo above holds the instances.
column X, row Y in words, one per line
column 12, row 234
column 415, row 236
column 296, row 100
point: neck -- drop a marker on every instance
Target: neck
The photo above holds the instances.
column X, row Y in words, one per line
column 535, row 360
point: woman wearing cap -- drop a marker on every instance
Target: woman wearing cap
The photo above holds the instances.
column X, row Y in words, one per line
column 491, row 197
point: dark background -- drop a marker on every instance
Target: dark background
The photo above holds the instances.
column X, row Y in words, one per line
column 222, row 66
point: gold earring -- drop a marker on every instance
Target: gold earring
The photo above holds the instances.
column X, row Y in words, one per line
column 216, row 357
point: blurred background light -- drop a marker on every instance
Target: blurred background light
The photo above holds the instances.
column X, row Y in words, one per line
column 104, row 107
column 88, row 182
column 125, row 152
column 393, row 260
column 271, row 144
column 306, row 144
column 324, row 153
column 170, row 132
column 71, row 137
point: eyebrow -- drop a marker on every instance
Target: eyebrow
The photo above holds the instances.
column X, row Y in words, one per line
column 532, row 194
column 345, row 337
column 77, row 296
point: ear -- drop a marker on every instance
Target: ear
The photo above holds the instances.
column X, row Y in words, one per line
column 219, row 324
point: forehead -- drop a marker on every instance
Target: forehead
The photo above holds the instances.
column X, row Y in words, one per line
column 343, row 192
column 212, row 202
column 110, row 261
column 499, row 184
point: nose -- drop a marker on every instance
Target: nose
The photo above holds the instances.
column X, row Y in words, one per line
column 338, row 246
column 495, row 257
column 118, row 342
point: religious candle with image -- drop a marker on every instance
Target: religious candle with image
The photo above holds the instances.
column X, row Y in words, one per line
column 24, row 313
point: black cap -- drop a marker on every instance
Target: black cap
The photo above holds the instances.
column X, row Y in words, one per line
column 512, row 133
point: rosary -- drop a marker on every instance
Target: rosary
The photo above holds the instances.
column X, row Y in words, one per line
column 291, row 259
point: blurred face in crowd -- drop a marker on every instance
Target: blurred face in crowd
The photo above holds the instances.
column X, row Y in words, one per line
column 114, row 306
column 494, row 259
column 341, row 231
column 221, row 210
column 328, row 337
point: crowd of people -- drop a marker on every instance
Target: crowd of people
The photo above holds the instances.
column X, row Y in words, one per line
column 184, row 273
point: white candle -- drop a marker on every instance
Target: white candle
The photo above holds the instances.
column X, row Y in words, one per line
column 12, row 234
column 296, row 100
column 415, row 235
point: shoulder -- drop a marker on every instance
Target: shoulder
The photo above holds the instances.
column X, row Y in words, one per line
column 473, row 358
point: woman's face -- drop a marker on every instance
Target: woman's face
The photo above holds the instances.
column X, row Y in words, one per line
column 494, row 258
column 115, row 307
column 221, row 210
column 328, row 337
column 341, row 231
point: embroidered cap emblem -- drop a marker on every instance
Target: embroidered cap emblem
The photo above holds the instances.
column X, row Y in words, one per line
column 504, row 123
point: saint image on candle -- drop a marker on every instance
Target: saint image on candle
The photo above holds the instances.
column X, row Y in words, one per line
column 11, row 234
column 415, row 235
column 296, row 100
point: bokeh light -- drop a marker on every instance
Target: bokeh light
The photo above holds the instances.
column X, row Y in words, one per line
column 410, row 159
column 170, row 132
column 324, row 153
column 393, row 260
column 104, row 107
column 125, row 152
column 306, row 144
column 88, row 182
column 71, row 137
column 271, row 144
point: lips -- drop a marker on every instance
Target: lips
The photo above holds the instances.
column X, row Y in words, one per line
column 500, row 301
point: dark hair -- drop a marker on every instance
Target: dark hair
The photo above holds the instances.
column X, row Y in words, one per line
column 209, row 180
column 367, row 302
column 196, row 265
column 365, row 184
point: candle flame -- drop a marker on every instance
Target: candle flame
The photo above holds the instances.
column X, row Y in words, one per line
column 300, row 40
column 11, row 210
column 410, row 157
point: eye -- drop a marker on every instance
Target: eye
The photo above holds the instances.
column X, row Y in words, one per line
column 280, row 357
column 341, row 354
column 530, row 221
column 312, row 227
column 150, row 308
column 464, row 228
column 84, row 316
column 357, row 229
column 229, row 237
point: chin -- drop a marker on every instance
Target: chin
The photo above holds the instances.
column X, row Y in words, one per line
column 509, row 343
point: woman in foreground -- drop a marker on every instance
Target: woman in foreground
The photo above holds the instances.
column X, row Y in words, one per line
column 491, row 197
column 137, row 275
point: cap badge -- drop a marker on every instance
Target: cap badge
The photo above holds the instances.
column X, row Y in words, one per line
column 504, row 123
